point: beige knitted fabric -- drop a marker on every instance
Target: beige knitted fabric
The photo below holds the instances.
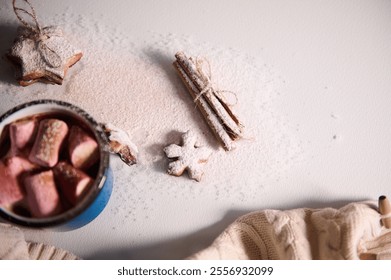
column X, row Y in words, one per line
column 12, row 243
column 39, row 251
column 13, row 246
column 347, row 233
column 326, row 233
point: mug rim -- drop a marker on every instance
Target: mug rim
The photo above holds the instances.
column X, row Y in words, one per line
column 99, row 180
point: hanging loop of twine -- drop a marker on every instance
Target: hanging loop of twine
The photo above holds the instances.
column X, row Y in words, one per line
column 206, row 77
column 35, row 29
column 41, row 35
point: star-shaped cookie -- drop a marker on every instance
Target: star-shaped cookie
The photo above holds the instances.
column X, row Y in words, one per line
column 188, row 157
column 43, row 57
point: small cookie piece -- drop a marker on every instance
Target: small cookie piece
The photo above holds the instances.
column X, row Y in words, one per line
column 43, row 57
column 82, row 148
column 188, row 157
column 72, row 182
column 21, row 134
column 119, row 143
column 46, row 148
column 42, row 195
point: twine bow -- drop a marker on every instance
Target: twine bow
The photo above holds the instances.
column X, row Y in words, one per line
column 206, row 76
column 40, row 35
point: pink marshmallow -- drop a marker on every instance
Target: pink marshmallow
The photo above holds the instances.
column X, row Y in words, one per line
column 10, row 191
column 18, row 165
column 72, row 182
column 42, row 195
column 21, row 134
column 46, row 148
column 82, row 148
column 10, row 171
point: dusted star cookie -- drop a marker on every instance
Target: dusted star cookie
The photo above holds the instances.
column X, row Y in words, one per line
column 40, row 53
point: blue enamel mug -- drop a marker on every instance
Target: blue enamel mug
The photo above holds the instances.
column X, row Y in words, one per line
column 96, row 197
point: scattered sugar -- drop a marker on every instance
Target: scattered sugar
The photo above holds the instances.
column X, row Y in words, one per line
column 134, row 86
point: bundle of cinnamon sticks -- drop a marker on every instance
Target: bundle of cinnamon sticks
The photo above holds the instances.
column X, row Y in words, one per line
column 212, row 104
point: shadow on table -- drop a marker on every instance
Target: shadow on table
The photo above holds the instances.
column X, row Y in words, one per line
column 7, row 35
column 173, row 249
column 185, row 246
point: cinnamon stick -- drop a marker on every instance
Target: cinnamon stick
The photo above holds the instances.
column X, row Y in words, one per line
column 211, row 119
column 385, row 209
column 223, row 122
column 217, row 104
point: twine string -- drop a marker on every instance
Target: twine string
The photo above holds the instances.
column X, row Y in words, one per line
column 41, row 35
column 209, row 86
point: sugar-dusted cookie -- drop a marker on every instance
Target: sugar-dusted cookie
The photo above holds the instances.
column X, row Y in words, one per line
column 188, row 157
column 40, row 53
column 44, row 59
column 119, row 143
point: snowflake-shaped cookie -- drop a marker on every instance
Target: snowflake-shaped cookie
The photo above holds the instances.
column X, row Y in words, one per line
column 188, row 157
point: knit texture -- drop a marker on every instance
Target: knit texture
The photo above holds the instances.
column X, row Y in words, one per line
column 39, row 251
column 304, row 234
column 13, row 246
column 350, row 232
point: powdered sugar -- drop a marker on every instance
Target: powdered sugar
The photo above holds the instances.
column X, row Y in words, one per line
column 134, row 86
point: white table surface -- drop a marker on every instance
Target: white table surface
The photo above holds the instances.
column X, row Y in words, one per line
column 335, row 60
